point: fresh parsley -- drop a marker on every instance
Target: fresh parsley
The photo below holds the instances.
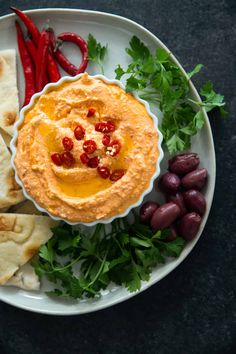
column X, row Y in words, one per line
column 124, row 255
column 96, row 52
column 157, row 79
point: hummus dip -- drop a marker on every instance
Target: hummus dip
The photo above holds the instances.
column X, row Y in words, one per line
column 86, row 150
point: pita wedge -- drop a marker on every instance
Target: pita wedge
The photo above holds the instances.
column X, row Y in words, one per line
column 20, row 239
column 9, row 102
column 6, row 137
column 25, row 278
column 10, row 192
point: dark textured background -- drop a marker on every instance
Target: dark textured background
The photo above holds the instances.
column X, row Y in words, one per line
column 193, row 309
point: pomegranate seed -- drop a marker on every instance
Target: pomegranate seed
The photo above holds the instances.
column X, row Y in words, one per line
column 116, row 175
column 79, row 132
column 84, row 158
column 103, row 171
column 89, row 146
column 110, row 127
column 93, row 162
column 56, row 158
column 106, row 140
column 100, row 127
column 105, row 127
column 67, row 143
column 113, row 148
column 67, row 158
column 91, row 112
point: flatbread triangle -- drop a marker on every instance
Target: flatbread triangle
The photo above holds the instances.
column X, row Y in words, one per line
column 20, row 239
column 9, row 103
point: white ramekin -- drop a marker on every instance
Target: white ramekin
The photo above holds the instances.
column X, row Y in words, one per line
column 21, row 119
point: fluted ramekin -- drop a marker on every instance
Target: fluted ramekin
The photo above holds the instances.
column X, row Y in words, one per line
column 21, row 119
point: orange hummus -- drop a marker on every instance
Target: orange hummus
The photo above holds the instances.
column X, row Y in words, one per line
column 77, row 192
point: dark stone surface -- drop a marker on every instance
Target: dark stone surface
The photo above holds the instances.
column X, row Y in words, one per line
column 192, row 310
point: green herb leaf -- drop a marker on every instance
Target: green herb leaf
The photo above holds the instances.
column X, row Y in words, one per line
column 132, row 84
column 174, row 248
column 133, row 281
column 162, row 55
column 212, row 99
column 119, row 72
column 39, row 268
column 157, row 79
column 195, row 71
column 65, row 243
column 125, row 255
column 96, row 52
column 137, row 242
column 137, row 50
column 150, row 258
column 199, row 120
column 175, row 143
column 122, row 259
column 46, row 252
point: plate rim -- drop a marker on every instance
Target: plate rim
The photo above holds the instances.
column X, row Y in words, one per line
column 179, row 260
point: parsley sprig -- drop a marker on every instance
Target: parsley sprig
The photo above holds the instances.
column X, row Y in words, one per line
column 124, row 255
column 157, row 79
column 96, row 52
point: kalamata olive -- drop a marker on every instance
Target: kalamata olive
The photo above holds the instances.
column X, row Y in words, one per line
column 173, row 234
column 164, row 216
column 169, row 182
column 184, row 163
column 195, row 179
column 147, row 209
column 189, row 225
column 179, row 200
column 195, row 201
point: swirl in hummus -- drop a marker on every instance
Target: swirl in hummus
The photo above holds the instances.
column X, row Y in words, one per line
column 81, row 190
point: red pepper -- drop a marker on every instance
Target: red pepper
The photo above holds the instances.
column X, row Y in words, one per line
column 29, row 24
column 31, row 49
column 34, row 32
column 41, row 63
column 53, row 70
column 33, row 54
column 27, row 64
column 62, row 60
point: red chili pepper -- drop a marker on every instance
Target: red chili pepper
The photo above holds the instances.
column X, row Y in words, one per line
column 27, row 66
column 41, row 63
column 33, row 54
column 32, row 50
column 53, row 71
column 29, row 24
column 62, row 60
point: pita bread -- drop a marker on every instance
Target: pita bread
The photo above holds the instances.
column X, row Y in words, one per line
column 25, row 278
column 20, row 239
column 6, row 137
column 9, row 102
column 26, row 207
column 10, row 192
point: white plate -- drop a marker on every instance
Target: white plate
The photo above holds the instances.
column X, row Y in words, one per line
column 116, row 31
